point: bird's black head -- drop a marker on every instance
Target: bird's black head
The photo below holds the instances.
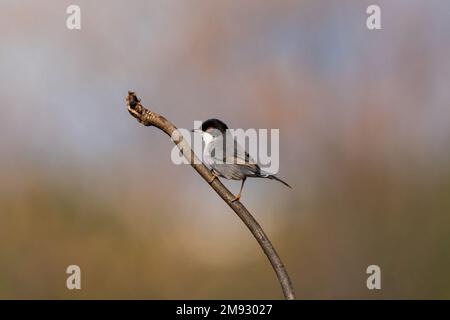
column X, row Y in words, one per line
column 214, row 124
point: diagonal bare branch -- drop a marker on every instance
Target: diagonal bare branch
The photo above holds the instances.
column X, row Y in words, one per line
column 149, row 118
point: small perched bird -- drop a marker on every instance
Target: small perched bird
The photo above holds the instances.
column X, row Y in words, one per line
column 226, row 158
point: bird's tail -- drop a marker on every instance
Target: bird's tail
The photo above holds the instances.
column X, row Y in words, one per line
column 273, row 177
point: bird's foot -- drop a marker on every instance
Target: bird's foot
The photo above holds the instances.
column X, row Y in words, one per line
column 237, row 198
column 213, row 178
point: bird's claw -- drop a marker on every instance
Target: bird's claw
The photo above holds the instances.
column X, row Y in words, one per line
column 215, row 176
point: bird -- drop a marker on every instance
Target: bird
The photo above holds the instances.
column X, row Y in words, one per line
column 226, row 158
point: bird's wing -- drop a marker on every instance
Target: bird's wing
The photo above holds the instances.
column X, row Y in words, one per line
column 241, row 154
column 225, row 148
column 241, row 157
column 226, row 154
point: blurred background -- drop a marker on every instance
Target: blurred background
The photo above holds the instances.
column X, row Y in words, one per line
column 364, row 121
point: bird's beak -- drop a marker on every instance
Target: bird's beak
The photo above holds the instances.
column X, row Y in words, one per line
column 196, row 130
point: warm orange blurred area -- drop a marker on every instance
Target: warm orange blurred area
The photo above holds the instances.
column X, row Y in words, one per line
column 364, row 121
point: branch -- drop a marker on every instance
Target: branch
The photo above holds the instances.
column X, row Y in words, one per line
column 149, row 118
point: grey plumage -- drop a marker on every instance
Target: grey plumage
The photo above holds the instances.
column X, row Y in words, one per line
column 226, row 158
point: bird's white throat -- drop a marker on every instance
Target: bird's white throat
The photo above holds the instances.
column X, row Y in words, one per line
column 207, row 138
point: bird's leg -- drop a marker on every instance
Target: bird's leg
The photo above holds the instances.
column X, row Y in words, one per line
column 240, row 191
column 215, row 176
